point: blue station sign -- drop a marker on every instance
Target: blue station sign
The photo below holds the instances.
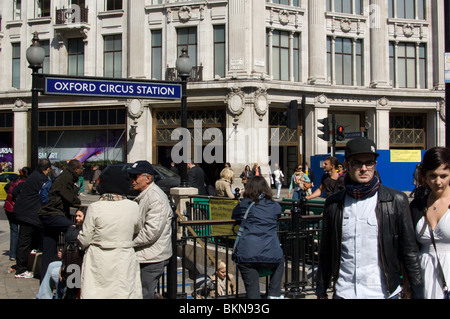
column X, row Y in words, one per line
column 55, row 85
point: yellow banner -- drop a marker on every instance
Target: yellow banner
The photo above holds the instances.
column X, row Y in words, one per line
column 221, row 209
column 406, row 156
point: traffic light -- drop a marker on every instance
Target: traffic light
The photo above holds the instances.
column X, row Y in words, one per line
column 340, row 134
column 292, row 115
column 325, row 129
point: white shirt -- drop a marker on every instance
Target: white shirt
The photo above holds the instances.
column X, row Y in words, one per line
column 278, row 173
column 361, row 271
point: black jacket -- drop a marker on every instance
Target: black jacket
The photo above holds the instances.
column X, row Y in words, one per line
column 28, row 203
column 396, row 235
column 196, row 178
column 63, row 195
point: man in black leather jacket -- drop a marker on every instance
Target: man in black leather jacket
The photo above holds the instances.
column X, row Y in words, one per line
column 367, row 234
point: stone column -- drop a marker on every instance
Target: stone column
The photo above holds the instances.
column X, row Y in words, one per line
column 21, row 154
column 382, row 133
column 317, row 42
column 378, row 14
column 136, row 44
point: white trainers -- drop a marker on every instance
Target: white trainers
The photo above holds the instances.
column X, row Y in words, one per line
column 25, row 275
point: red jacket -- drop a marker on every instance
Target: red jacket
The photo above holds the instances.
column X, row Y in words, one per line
column 10, row 199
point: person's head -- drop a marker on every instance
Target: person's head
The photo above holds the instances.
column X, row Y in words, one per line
column 190, row 165
column 114, row 181
column 330, row 164
column 256, row 186
column 141, row 174
column 361, row 160
column 227, row 165
column 80, row 214
column 221, row 269
column 247, row 167
column 340, row 167
column 299, row 168
column 45, row 166
column 76, row 166
column 226, row 174
column 435, row 169
column 24, row 172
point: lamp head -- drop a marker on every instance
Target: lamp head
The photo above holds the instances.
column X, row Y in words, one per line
column 184, row 64
column 35, row 53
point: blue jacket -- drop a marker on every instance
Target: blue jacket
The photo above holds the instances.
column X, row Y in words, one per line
column 259, row 242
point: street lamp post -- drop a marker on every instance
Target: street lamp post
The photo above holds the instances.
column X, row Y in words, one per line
column 35, row 58
column 184, row 67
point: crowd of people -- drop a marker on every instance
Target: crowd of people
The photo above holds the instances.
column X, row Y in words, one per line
column 375, row 243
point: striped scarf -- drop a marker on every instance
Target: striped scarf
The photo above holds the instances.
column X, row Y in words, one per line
column 361, row 191
column 112, row 197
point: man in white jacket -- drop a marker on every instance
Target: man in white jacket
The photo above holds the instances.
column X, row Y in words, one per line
column 153, row 244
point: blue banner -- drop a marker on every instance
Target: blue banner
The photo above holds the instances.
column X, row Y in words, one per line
column 111, row 88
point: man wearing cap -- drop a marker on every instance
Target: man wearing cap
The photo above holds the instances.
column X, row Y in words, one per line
column 367, row 234
column 153, row 244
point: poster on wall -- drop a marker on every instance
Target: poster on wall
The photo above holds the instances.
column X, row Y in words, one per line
column 85, row 146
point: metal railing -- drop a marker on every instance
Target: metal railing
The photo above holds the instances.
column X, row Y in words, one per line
column 198, row 248
column 196, row 74
column 70, row 16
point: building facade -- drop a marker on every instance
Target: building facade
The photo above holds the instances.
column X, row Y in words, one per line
column 376, row 65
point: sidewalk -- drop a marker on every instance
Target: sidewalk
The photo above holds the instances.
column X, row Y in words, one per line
column 10, row 287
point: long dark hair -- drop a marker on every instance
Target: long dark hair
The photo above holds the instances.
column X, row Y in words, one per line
column 434, row 158
column 255, row 187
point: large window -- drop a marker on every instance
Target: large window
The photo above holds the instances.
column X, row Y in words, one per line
column 157, row 54
column 407, row 131
column 17, row 9
column 295, row 3
column 187, row 38
column 76, row 57
column 113, row 5
column 407, row 9
column 113, row 56
column 45, row 44
column 408, row 65
column 284, row 48
column 219, row 50
column 345, row 61
column 345, row 6
column 43, row 8
column 16, row 65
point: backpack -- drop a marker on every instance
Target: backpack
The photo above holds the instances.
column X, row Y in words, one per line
column 45, row 191
column 72, row 255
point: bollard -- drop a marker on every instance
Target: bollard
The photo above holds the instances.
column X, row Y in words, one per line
column 237, row 193
column 172, row 266
column 298, row 209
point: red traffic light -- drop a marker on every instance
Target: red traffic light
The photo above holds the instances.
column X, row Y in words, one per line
column 340, row 129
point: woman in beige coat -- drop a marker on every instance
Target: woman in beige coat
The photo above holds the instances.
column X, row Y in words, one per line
column 223, row 185
column 110, row 266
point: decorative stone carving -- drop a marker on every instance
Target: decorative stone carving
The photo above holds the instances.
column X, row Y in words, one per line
column 184, row 14
column 235, row 101
column 19, row 105
column 442, row 113
column 322, row 99
column 346, row 25
column 261, row 103
column 135, row 108
column 383, row 102
column 408, row 30
column 283, row 16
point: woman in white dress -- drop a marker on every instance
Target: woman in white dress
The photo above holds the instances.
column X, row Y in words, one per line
column 431, row 215
column 110, row 266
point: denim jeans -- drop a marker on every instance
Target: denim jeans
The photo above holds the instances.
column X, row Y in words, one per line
column 250, row 276
column 278, row 185
column 13, row 234
column 50, row 282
